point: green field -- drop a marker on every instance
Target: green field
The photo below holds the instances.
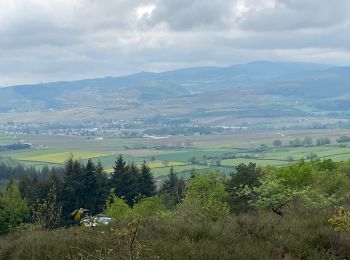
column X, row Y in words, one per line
column 7, row 139
column 222, row 152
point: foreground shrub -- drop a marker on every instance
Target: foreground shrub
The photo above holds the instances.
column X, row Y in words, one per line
column 205, row 199
column 14, row 209
column 303, row 233
column 117, row 208
column 149, row 207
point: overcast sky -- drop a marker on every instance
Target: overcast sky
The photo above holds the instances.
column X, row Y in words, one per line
column 49, row 40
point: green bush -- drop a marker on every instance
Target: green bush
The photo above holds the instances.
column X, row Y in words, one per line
column 205, row 198
column 14, row 209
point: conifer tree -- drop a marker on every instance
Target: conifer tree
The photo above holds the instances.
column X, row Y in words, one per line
column 73, row 192
column 118, row 178
column 90, row 187
column 173, row 188
column 132, row 192
column 169, row 185
column 125, row 180
column 102, row 187
column 147, row 183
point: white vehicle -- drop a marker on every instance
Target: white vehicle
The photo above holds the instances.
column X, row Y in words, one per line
column 94, row 221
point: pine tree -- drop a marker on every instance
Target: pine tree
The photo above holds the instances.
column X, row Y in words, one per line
column 102, row 187
column 125, row 180
column 118, row 179
column 147, row 183
column 169, row 185
column 73, row 192
column 173, row 188
column 90, row 188
column 132, row 192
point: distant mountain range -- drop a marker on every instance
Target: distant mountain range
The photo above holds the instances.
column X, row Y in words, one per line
column 306, row 81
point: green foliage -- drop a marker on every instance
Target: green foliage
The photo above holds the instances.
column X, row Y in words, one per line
column 173, row 188
column 149, row 207
column 244, row 176
column 85, row 187
column 273, row 194
column 331, row 183
column 205, row 198
column 47, row 212
column 295, row 175
column 297, row 182
column 14, row 209
column 301, row 234
column 116, row 207
column 147, row 183
column 130, row 182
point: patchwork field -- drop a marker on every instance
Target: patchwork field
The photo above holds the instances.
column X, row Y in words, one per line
column 221, row 152
column 60, row 158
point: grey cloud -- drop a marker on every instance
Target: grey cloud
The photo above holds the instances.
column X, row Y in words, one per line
column 298, row 14
column 70, row 39
column 338, row 38
column 195, row 14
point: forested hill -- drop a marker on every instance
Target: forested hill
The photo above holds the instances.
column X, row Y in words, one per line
column 302, row 80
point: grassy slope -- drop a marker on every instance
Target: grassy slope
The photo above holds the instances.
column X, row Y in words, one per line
column 300, row 234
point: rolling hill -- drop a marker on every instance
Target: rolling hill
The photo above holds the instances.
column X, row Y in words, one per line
column 256, row 89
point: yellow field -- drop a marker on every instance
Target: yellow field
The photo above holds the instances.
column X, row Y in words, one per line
column 159, row 164
column 155, row 165
column 62, row 157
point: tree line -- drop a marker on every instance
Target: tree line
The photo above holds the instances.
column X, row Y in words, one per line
column 130, row 186
column 80, row 185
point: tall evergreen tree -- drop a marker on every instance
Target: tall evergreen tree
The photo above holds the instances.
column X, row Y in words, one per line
column 169, row 185
column 90, row 187
column 125, row 180
column 102, row 187
column 118, row 178
column 132, row 178
column 73, row 192
column 147, row 183
column 173, row 188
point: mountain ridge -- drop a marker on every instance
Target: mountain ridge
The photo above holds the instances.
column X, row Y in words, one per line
column 273, row 78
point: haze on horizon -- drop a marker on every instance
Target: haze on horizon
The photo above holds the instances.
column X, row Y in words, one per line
column 56, row 40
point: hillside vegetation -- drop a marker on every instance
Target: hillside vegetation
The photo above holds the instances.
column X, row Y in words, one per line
column 253, row 90
column 298, row 211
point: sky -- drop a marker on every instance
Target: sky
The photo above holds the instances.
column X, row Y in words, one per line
column 52, row 40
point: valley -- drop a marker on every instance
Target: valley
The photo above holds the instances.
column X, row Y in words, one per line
column 184, row 153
